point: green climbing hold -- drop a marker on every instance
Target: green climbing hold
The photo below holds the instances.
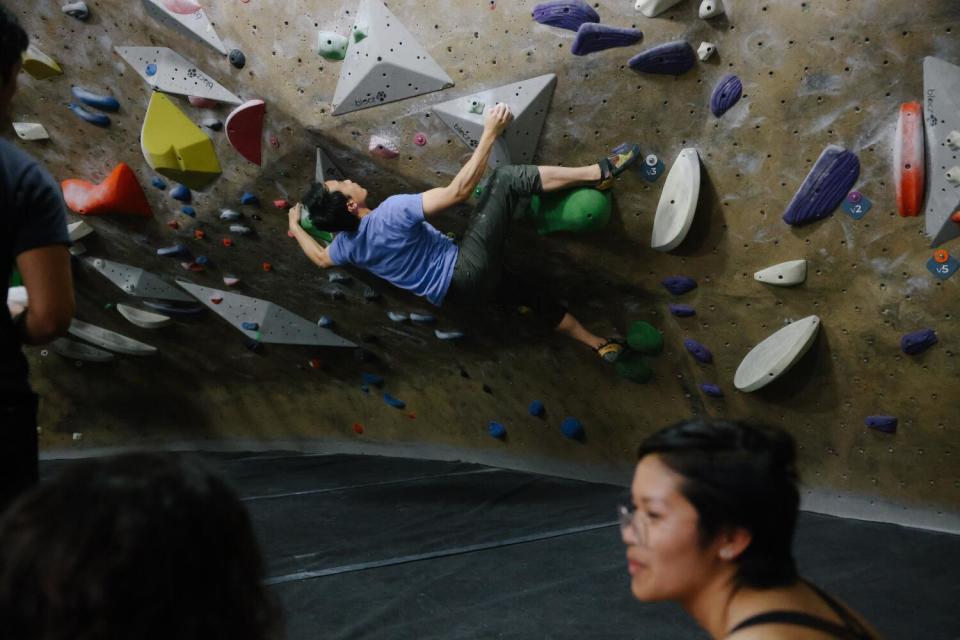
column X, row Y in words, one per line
column 644, row 338
column 360, row 31
column 583, row 209
column 332, row 46
column 633, row 366
column 478, row 192
column 318, row 234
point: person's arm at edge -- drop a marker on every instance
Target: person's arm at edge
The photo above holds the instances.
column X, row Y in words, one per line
column 310, row 247
column 47, row 277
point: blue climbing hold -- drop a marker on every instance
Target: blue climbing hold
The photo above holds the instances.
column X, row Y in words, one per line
column 250, row 326
column 672, row 58
column 95, row 100
column 248, row 198
column 592, row 37
column 536, row 409
column 678, row 285
column 98, row 119
column 158, row 183
column 886, row 424
column 151, row 69
column 325, row 322
column 174, row 251
column 189, row 211
column 202, row 261
column 372, row 379
column 181, row 193
column 565, row 14
column 726, row 94
column 497, row 430
column 918, row 341
column 712, row 390
column 827, row 184
column 422, row 318
column 682, row 310
column 698, row 351
column 394, row 402
column 572, row 428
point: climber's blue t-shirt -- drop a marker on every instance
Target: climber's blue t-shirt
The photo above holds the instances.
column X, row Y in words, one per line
column 396, row 243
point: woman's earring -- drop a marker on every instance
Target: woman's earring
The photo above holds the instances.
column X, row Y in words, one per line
column 725, row 554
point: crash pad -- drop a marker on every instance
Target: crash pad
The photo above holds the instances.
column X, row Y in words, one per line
column 583, row 209
column 175, row 147
column 120, row 193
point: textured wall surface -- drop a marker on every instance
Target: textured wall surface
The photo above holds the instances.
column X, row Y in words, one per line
column 814, row 73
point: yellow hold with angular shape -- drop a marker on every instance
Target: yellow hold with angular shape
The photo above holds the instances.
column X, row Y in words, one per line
column 175, row 147
column 40, row 65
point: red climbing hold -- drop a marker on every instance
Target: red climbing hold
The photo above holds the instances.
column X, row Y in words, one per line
column 274, row 141
column 956, row 216
column 202, row 103
column 245, row 129
column 173, row 224
column 119, row 193
column 216, row 299
column 266, row 266
column 182, row 7
column 357, row 427
column 908, row 154
column 314, row 363
column 227, row 242
column 199, row 234
column 281, row 204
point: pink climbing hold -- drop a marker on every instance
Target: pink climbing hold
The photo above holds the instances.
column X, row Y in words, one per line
column 274, row 141
column 181, row 7
column 202, row 103
column 383, row 148
column 245, row 129
column 420, row 139
column 281, row 203
column 216, row 298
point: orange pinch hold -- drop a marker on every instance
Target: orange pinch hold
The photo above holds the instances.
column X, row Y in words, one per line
column 908, row 160
column 227, row 242
column 244, row 128
column 357, row 427
column 120, row 193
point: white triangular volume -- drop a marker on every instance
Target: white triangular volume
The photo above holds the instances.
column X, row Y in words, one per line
column 678, row 202
column 78, row 230
column 651, row 8
column 186, row 15
column 144, row 319
column 166, row 70
column 385, row 65
column 326, row 169
column 266, row 322
column 73, row 350
column 30, row 131
column 785, row 274
column 136, row 281
column 110, row 340
column 941, row 86
column 774, row 356
column 528, row 100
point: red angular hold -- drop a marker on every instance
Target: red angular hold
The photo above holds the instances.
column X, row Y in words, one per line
column 216, row 299
column 314, row 363
column 245, row 129
column 227, row 242
column 281, row 204
column 266, row 266
column 956, row 216
column 120, row 193
column 357, row 427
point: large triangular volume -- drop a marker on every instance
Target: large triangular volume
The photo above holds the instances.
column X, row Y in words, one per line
column 941, row 86
column 326, row 169
column 262, row 320
column 166, row 70
column 137, row 282
column 384, row 63
column 528, row 100
column 186, row 16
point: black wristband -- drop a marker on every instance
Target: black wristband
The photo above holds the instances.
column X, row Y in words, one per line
column 20, row 326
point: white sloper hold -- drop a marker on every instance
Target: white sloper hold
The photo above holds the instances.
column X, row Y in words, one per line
column 711, row 8
column 706, row 50
column 528, row 100
column 385, row 63
column 30, row 131
column 652, row 8
column 110, row 340
column 73, row 350
column 678, row 202
column 774, row 356
column 166, row 70
column 78, row 230
column 785, row 274
column 186, row 16
column 142, row 318
column 941, row 88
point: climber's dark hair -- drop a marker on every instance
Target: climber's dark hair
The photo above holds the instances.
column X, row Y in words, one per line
column 328, row 209
column 738, row 475
column 13, row 42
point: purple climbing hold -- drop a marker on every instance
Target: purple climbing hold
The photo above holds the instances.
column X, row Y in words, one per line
column 678, row 285
column 886, row 424
column 698, row 351
column 497, row 430
column 572, row 428
column 181, row 193
column 672, row 58
column 593, row 37
column 566, row 14
column 726, row 94
column 682, row 310
column 712, row 390
column 396, row 403
column 828, row 183
column 536, row 408
column 176, row 250
column 98, row 119
column 918, row 341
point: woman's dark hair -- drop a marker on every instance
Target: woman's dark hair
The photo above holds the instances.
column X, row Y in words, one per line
column 13, row 42
column 328, row 209
column 146, row 546
column 738, row 475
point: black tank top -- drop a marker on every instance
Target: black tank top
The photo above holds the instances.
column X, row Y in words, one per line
column 851, row 629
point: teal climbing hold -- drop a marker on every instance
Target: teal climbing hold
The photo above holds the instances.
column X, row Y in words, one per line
column 579, row 210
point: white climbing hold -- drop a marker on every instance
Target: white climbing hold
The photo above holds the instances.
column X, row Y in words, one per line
column 73, row 350
column 30, row 131
column 77, row 436
column 678, row 202
column 774, row 356
column 110, row 340
column 144, row 319
column 652, row 8
column 78, row 249
column 231, row 281
column 78, row 230
column 166, row 70
column 240, row 230
column 953, row 140
column 229, row 215
column 383, row 147
column 711, row 8
column 188, row 17
column 396, row 316
column 332, row 46
column 953, row 176
column 78, row 10
column 706, row 50
column 784, row 274
column 452, row 334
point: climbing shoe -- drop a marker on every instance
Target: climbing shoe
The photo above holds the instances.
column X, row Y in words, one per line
column 610, row 350
column 616, row 163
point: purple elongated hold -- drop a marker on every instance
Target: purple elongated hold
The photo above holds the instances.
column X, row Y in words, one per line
column 918, row 341
column 827, row 184
column 682, row 310
column 678, row 285
column 566, row 14
column 671, row 58
column 99, row 119
column 886, row 424
column 593, row 37
column 726, row 94
column 698, row 351
column 712, row 390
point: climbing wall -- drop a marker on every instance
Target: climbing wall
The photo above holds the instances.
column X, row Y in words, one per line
column 812, row 74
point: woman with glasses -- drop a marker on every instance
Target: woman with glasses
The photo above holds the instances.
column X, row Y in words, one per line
column 710, row 526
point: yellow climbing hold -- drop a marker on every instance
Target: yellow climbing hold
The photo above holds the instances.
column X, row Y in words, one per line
column 40, row 65
column 175, row 147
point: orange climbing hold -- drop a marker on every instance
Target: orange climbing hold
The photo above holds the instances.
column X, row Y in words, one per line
column 266, row 266
column 245, row 129
column 120, row 193
column 199, row 234
column 227, row 242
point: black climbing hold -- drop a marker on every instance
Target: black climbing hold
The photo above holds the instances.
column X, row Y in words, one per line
column 464, row 374
column 237, row 58
column 368, row 337
column 487, row 389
